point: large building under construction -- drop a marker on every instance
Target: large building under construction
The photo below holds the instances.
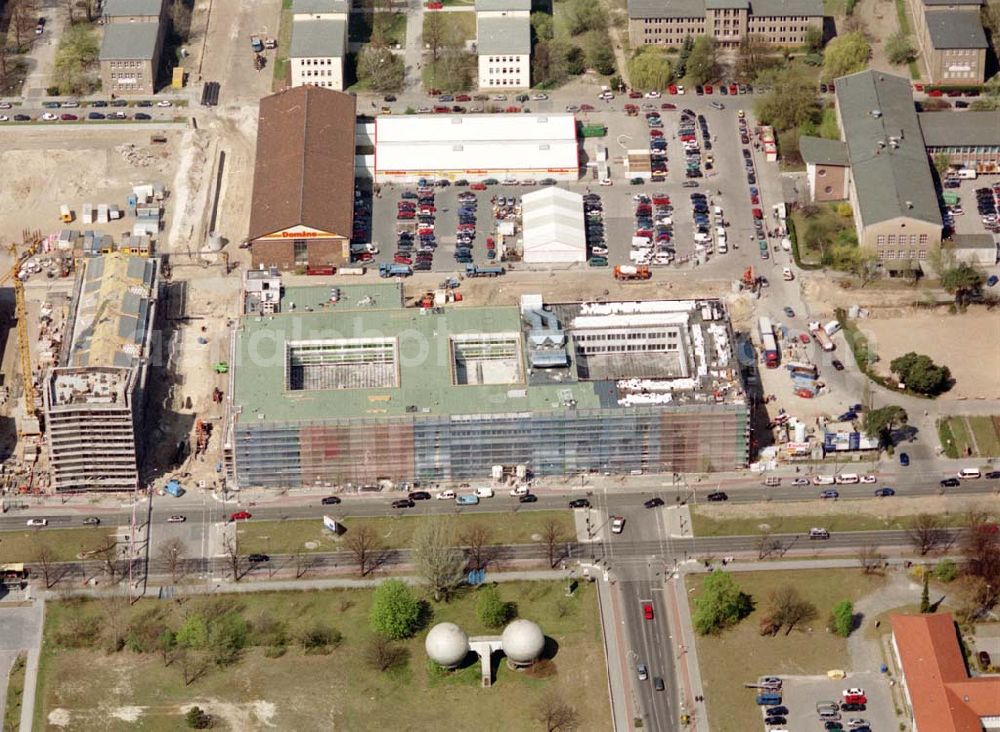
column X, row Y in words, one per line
column 94, row 397
column 364, row 391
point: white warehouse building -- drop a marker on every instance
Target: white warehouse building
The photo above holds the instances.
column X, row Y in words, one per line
column 475, row 147
column 552, row 226
column 503, row 43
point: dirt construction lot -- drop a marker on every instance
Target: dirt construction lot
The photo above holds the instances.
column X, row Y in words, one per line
column 965, row 343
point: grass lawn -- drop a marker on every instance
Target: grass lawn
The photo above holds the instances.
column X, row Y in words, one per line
column 15, row 693
column 811, row 650
column 359, row 28
column 287, row 537
column 708, row 526
column 66, row 544
column 946, row 438
column 962, row 437
column 281, row 63
column 464, row 24
column 984, row 429
column 297, row 691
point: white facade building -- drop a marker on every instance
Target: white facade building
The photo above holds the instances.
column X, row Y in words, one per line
column 475, row 147
column 552, row 224
column 503, row 33
column 319, row 43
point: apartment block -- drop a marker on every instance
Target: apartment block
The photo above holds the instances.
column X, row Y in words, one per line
column 94, row 398
column 319, row 43
column 952, row 41
column 129, row 57
column 776, row 22
column 503, row 43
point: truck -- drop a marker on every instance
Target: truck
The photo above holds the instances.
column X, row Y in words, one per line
column 394, row 270
column 65, row 215
column 472, row 270
column 768, row 343
column 351, row 271
column 821, row 336
column 797, row 368
column 632, row 273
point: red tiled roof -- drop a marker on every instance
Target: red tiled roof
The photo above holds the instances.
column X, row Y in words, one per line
column 304, row 174
column 944, row 698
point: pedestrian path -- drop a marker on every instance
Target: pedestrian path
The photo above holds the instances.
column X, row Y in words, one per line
column 686, row 650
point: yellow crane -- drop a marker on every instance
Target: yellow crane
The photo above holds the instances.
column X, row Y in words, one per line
column 32, row 240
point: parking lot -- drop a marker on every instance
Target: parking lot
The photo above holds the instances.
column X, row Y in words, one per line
column 725, row 185
column 801, row 694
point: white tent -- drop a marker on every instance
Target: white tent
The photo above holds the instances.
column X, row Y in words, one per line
column 552, row 224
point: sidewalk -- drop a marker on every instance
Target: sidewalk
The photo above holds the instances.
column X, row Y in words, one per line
column 614, row 658
column 688, row 672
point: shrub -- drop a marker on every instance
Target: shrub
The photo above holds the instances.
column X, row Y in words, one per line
column 491, row 610
column 842, row 618
column 197, row 719
column 945, row 571
column 381, row 654
column 320, row 638
column 395, row 612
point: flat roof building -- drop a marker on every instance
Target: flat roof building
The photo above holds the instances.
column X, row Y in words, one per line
column 891, row 188
column 475, row 147
column 129, row 57
column 94, row 400
column 969, row 139
column 302, row 211
column 373, row 391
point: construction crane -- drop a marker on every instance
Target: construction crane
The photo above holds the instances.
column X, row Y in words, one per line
column 33, row 241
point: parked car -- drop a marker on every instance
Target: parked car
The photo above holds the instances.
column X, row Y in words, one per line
column 258, row 558
column 984, row 660
column 904, row 459
column 837, row 364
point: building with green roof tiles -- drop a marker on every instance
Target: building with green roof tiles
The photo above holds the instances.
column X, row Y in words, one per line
column 364, row 394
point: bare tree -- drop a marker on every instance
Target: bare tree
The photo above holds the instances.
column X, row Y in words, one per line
column 556, row 714
column 478, row 541
column 70, row 11
column 365, row 545
column 437, row 559
column 23, row 17
column 871, row 559
column 980, row 545
column 552, row 535
column 45, row 560
column 171, row 553
column 303, row 563
column 115, row 612
column 927, row 533
column 767, row 544
column 786, row 609
column 382, row 654
column 107, row 554
column 194, row 664
column 233, row 558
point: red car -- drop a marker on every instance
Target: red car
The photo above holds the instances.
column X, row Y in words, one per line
column 804, row 338
column 918, row 87
column 661, row 200
column 635, row 95
column 733, row 90
column 69, row 117
column 463, row 98
column 490, row 244
column 513, row 110
column 240, row 516
column 647, row 610
column 935, row 93
column 364, row 257
column 667, row 107
column 672, row 89
column 758, row 214
column 401, row 259
column 708, row 88
column 478, row 186
column 442, row 110
column 644, row 232
column 655, row 133
column 586, row 108
column 435, row 6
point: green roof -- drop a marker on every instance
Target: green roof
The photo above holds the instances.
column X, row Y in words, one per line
column 424, row 369
column 820, row 151
column 892, row 176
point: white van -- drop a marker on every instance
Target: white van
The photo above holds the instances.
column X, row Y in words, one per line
column 448, row 495
column 969, row 473
column 823, row 480
column 848, row 478
column 818, row 534
column 484, row 492
column 519, row 490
